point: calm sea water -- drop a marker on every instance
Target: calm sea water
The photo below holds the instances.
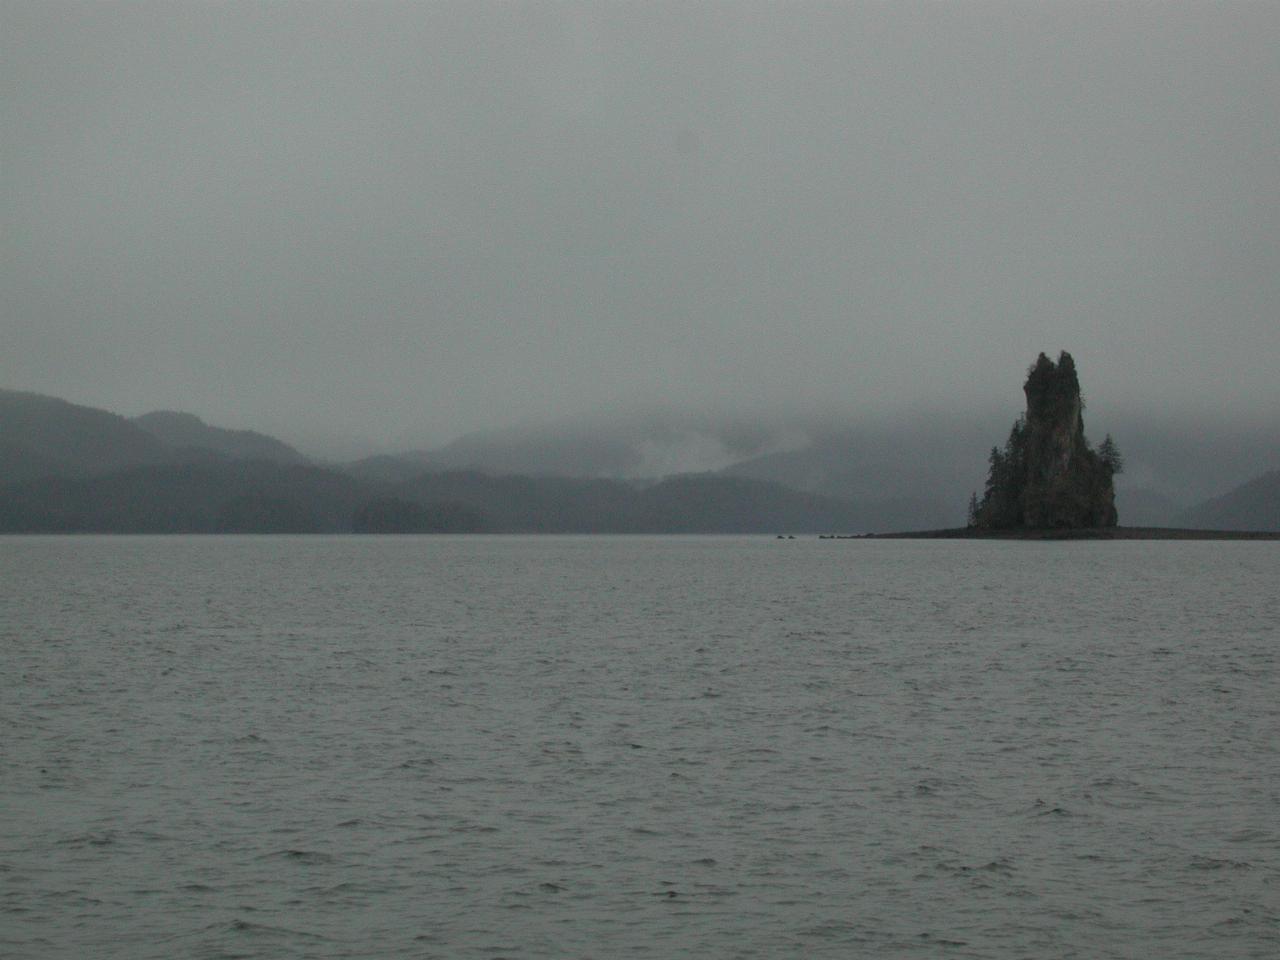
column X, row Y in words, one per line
column 638, row 747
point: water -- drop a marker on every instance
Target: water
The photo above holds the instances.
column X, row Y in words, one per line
column 638, row 747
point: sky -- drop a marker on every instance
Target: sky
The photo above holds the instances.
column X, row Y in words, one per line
column 387, row 225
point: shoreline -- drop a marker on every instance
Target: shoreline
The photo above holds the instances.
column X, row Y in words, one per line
column 1094, row 533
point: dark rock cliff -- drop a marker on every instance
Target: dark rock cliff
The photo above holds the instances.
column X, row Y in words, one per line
column 1047, row 476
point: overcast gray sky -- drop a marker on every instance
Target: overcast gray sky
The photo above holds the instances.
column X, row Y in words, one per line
column 403, row 222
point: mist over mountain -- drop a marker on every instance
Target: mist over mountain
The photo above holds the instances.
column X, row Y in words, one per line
column 648, row 443
column 125, row 480
column 920, row 466
column 371, row 227
column 1145, row 507
column 1251, row 506
column 75, row 469
column 650, row 471
column 916, row 470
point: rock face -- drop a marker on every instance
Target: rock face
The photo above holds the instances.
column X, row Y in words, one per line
column 1047, row 476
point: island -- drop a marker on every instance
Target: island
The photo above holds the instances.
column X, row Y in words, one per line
column 1048, row 477
column 1049, row 483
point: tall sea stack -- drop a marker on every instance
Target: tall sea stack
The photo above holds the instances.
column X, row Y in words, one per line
column 1047, row 476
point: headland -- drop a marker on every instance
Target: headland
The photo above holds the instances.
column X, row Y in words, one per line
column 1077, row 533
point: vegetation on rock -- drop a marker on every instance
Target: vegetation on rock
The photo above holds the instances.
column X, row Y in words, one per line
column 1047, row 476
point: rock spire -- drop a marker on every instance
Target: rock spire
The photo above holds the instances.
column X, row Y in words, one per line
column 1047, row 476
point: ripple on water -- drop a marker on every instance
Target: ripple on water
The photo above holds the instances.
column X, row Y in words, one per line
column 551, row 747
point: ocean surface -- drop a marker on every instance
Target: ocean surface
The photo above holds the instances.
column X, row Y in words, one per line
column 611, row 747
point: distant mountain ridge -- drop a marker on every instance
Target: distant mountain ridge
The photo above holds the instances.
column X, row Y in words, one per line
column 186, row 430
column 697, row 503
column 70, row 468
column 638, row 446
column 66, row 467
column 245, row 496
column 255, row 496
column 1251, row 506
column 44, row 436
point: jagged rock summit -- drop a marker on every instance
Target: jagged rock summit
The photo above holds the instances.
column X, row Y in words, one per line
column 1047, row 476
